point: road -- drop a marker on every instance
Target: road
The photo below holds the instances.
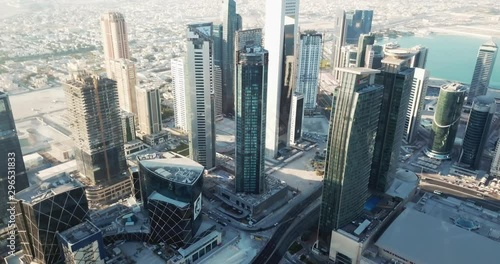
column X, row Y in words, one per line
column 272, row 252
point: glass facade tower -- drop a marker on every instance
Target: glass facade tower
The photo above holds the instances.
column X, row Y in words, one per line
column 482, row 71
column 476, row 133
column 353, row 127
column 251, row 91
column 446, row 120
column 12, row 169
column 397, row 79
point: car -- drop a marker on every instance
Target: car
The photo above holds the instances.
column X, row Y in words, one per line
column 276, row 224
column 437, row 192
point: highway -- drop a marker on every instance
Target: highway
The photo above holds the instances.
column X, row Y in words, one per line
column 273, row 251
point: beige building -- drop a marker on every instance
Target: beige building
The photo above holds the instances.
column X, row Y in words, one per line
column 149, row 110
column 114, row 39
column 124, row 74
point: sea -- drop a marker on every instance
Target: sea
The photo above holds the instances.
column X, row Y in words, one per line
column 451, row 57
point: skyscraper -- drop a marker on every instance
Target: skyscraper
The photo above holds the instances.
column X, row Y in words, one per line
column 309, row 58
column 416, row 103
column 12, row 169
column 273, row 42
column 495, row 164
column 249, row 37
column 115, row 39
column 296, row 117
column 125, row 76
column 231, row 23
column 179, row 87
column 200, row 94
column 128, row 126
column 482, row 72
column 365, row 44
column 94, row 120
column 149, row 109
column 476, row 134
column 251, row 91
column 446, row 120
column 82, row 243
column 351, row 140
column 396, row 78
column 45, row 209
column 348, row 26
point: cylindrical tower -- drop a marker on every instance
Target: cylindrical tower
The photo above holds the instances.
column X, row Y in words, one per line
column 446, row 120
column 476, row 133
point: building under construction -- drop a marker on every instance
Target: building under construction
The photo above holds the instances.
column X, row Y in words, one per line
column 94, row 120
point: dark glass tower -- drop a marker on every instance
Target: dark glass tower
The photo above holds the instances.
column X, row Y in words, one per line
column 357, row 22
column 12, row 170
column 476, row 134
column 397, row 79
column 231, row 22
column 353, row 127
column 171, row 191
column 485, row 63
column 44, row 210
column 251, row 90
column 446, row 120
column 94, row 119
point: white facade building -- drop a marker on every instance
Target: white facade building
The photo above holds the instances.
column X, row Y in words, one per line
column 179, row 87
column 308, row 71
column 296, row 117
column 200, row 94
column 273, row 42
column 416, row 103
column 124, row 74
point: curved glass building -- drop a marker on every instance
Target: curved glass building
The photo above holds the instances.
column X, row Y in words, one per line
column 446, row 120
column 476, row 134
column 171, row 191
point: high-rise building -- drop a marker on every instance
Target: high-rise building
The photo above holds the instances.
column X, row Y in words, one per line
column 42, row 211
column 128, row 126
column 419, row 60
column 446, row 119
column 365, row 45
column 125, row 76
column 218, row 98
column 12, row 169
column 396, row 78
column 179, row 87
column 94, row 120
column 309, row 59
column 495, row 164
column 273, row 42
column 476, row 133
column 251, row 91
column 482, row 72
column 115, row 39
column 149, row 109
column 349, row 25
column 171, row 191
column 82, row 243
column 353, row 128
column 416, row 103
column 296, row 117
column 249, row 37
column 200, row 94
column 231, row 22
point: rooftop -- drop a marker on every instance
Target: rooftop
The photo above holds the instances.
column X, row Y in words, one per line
column 173, row 167
column 359, row 70
column 414, row 233
column 79, row 232
column 454, row 87
column 377, row 209
column 48, row 188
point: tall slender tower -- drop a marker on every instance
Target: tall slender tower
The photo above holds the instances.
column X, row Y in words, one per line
column 231, row 22
column 273, row 42
column 476, row 134
column 446, row 120
column 200, row 94
column 115, row 39
column 310, row 51
column 178, row 82
column 416, row 103
column 95, row 123
column 251, row 90
column 149, row 110
column 396, row 78
column 353, row 128
column 12, row 169
column 482, row 72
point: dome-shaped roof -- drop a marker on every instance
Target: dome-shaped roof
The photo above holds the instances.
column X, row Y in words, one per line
column 406, row 175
